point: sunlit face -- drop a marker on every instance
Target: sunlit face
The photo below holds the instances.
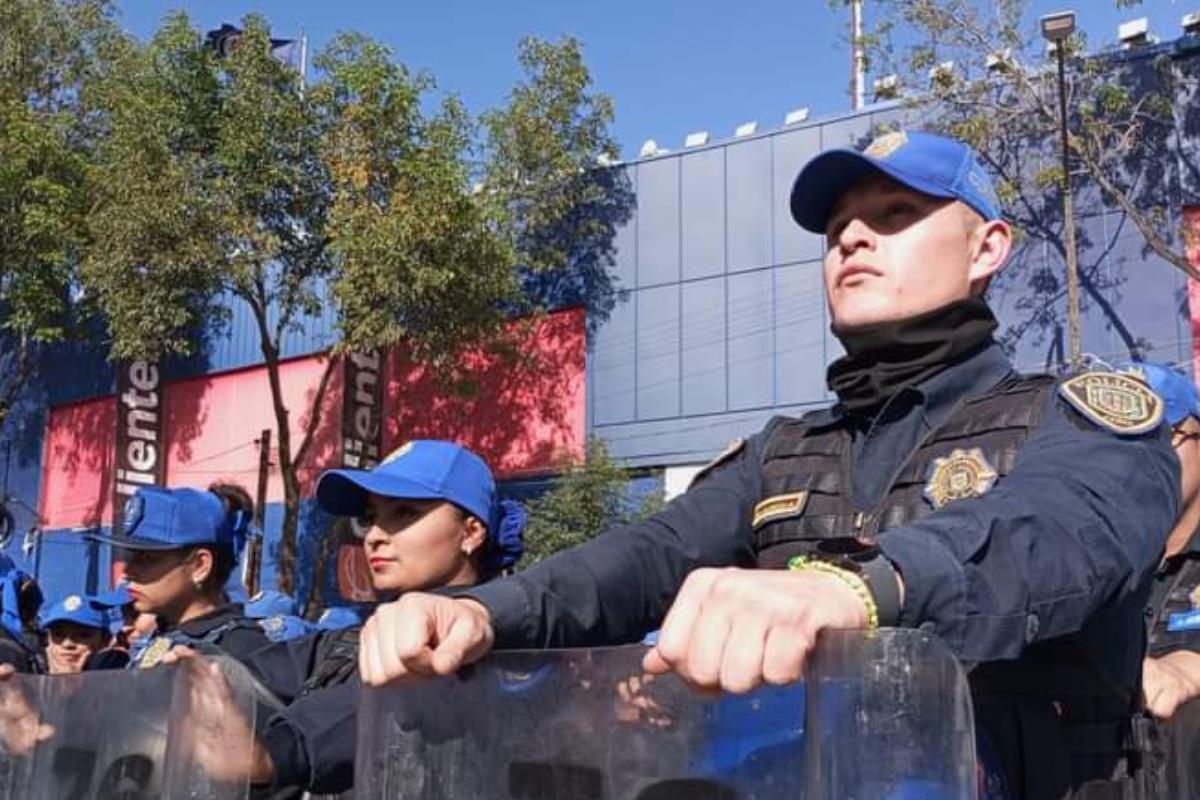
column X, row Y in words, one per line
column 68, row 644
column 895, row 253
column 420, row 544
column 162, row 581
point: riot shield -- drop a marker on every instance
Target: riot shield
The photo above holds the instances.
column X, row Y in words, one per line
column 887, row 717
column 147, row 734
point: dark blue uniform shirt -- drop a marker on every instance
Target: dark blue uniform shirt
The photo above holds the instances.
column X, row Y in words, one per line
column 1066, row 543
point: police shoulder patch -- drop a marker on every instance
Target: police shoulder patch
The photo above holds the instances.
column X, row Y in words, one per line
column 731, row 450
column 274, row 627
column 1114, row 400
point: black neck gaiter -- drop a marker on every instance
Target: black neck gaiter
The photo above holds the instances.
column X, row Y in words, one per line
column 884, row 358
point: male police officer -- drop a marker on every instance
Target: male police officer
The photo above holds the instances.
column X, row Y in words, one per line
column 1017, row 518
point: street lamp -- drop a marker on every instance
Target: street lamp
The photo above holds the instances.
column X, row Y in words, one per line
column 1057, row 29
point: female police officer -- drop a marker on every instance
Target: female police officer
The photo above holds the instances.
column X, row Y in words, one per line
column 433, row 524
column 181, row 546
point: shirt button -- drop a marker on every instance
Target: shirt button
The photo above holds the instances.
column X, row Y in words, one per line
column 1032, row 625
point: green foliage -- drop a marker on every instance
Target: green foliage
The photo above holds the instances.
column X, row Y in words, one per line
column 587, row 498
column 1006, row 105
column 218, row 178
column 47, row 49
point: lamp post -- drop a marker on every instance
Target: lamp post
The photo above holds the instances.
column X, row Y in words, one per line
column 1057, row 29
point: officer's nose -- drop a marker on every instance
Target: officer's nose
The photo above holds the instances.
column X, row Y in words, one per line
column 855, row 235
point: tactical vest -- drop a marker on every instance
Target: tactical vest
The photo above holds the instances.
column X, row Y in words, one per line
column 813, row 461
column 149, row 653
column 336, row 659
column 1059, row 678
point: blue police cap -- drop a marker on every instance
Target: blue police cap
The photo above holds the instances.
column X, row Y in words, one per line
column 269, row 603
column 423, row 469
column 76, row 608
column 927, row 163
column 166, row 519
column 1178, row 392
column 337, row 618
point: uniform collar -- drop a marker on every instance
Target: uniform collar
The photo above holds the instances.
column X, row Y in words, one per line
column 970, row 377
column 1190, row 552
column 206, row 623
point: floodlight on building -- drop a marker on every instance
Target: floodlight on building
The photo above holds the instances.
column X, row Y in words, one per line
column 1135, row 33
column 649, row 148
column 697, row 139
column 1059, row 26
column 796, row 116
column 887, row 87
column 1000, row 61
column 745, row 129
column 1190, row 23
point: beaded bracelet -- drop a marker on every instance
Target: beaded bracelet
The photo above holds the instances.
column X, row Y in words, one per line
column 855, row 582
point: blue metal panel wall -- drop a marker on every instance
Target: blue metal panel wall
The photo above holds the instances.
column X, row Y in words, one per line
column 727, row 306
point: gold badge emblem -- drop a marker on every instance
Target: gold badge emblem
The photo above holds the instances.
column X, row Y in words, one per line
column 962, row 474
column 1113, row 400
column 73, row 603
column 885, row 145
column 781, row 506
column 154, row 652
column 399, row 452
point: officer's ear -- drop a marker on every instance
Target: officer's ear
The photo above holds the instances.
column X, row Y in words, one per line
column 474, row 534
column 202, row 565
column 990, row 243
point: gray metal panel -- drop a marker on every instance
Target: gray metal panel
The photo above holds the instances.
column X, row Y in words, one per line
column 614, row 370
column 748, row 202
column 658, row 222
column 703, row 357
column 790, row 152
column 703, row 196
column 800, row 326
column 686, row 439
column 751, row 340
column 624, row 270
column 852, row 132
column 658, row 352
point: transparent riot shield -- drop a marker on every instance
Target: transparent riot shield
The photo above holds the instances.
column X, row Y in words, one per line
column 148, row 734
column 887, row 716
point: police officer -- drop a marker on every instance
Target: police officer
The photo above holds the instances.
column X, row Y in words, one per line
column 1017, row 517
column 433, row 522
column 20, row 601
column 180, row 547
column 1172, row 669
column 74, row 628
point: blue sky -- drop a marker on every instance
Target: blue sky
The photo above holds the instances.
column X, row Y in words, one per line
column 671, row 66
